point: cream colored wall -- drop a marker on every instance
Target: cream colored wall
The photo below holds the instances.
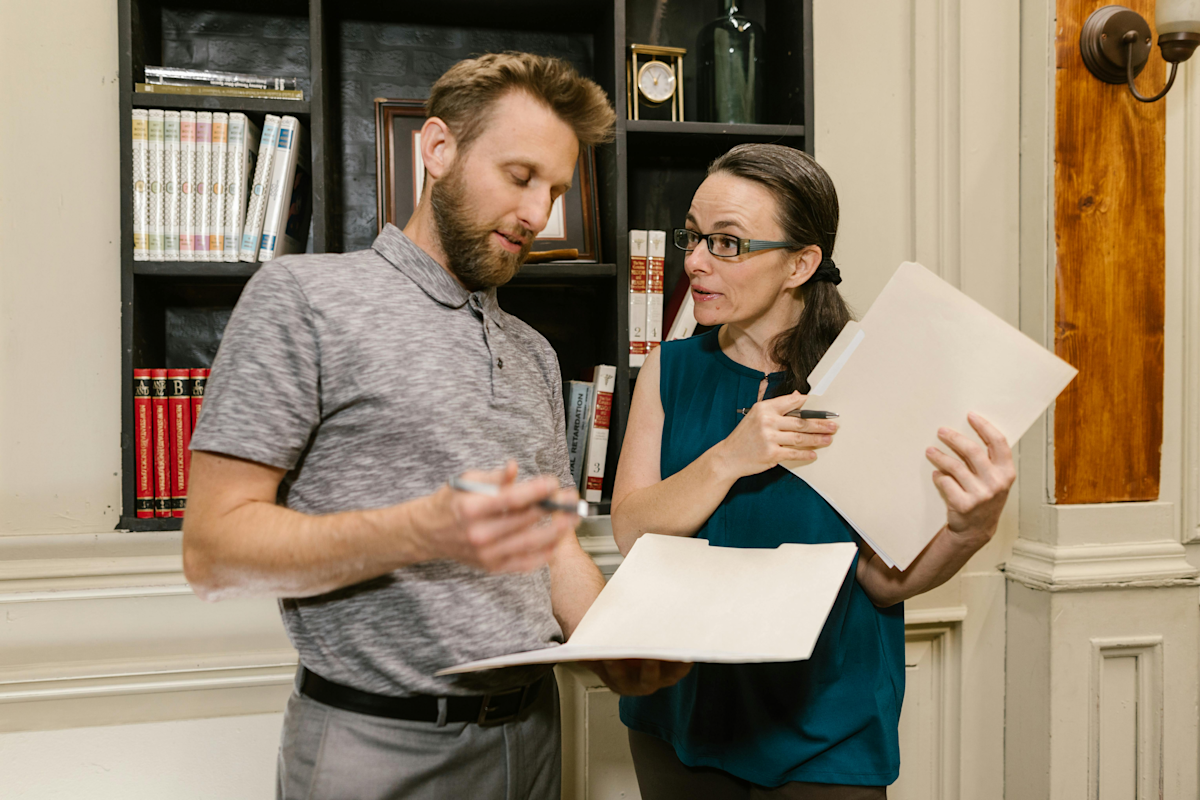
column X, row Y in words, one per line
column 60, row 288
column 96, row 627
column 921, row 137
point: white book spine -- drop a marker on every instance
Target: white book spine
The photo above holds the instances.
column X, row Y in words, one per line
column 603, row 380
column 655, row 268
column 279, row 193
column 187, row 185
column 685, row 321
column 296, row 198
column 171, row 186
column 141, row 201
column 578, row 405
column 154, row 228
column 216, row 200
column 243, row 150
column 637, row 297
column 256, row 205
column 202, row 188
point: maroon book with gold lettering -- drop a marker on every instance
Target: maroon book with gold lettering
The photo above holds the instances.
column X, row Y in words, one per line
column 179, row 411
column 143, row 431
column 162, row 443
column 199, row 381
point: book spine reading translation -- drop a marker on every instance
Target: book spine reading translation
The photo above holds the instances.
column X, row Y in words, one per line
column 171, row 143
column 162, row 443
column 179, row 407
column 578, row 405
column 201, row 188
column 637, row 297
column 143, row 428
column 282, row 172
column 154, row 228
column 656, row 243
column 216, row 213
column 219, row 91
column 199, row 382
column 603, row 381
column 141, row 202
column 187, row 180
column 256, row 206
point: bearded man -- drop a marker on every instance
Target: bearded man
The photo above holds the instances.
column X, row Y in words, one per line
column 347, row 390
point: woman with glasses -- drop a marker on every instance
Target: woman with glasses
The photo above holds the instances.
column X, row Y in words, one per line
column 708, row 428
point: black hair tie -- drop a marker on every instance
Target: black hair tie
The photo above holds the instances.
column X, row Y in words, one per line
column 826, row 271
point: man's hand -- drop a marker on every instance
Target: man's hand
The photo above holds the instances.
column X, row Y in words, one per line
column 635, row 677
column 508, row 532
column 975, row 485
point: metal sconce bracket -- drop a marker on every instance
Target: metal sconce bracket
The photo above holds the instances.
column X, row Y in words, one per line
column 1115, row 45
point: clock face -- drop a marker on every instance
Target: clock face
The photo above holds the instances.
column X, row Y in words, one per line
column 656, row 81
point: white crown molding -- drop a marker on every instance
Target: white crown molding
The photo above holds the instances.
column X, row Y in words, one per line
column 1100, row 566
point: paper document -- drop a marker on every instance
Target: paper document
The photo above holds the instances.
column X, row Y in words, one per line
column 924, row 355
column 678, row 598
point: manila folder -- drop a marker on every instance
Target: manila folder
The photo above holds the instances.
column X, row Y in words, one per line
column 923, row 357
column 678, row 598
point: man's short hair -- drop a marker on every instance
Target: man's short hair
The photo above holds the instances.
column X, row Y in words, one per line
column 464, row 96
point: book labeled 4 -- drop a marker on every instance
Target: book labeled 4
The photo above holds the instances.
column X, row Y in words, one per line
column 199, row 382
column 143, row 431
column 604, row 379
column 637, row 297
column 162, row 443
column 656, row 243
column 179, row 400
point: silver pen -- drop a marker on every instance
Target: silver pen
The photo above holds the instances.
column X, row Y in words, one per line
column 478, row 487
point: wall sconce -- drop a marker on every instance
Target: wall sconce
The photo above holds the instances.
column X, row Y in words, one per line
column 1115, row 41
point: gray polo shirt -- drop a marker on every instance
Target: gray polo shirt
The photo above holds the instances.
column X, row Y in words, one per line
column 372, row 377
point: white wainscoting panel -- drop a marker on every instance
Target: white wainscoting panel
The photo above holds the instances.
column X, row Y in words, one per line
column 929, row 722
column 1126, row 719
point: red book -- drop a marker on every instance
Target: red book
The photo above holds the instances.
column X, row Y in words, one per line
column 199, row 381
column 678, row 295
column 162, row 443
column 179, row 415
column 143, row 428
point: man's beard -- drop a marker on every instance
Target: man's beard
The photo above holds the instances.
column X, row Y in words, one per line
column 470, row 253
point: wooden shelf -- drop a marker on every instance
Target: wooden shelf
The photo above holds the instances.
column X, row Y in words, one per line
column 734, row 132
column 149, row 524
column 195, row 269
column 214, row 103
column 563, row 270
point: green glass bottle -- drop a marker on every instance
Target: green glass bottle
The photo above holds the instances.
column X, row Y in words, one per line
column 729, row 77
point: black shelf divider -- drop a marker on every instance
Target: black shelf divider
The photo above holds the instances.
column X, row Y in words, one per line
column 151, row 524
column 735, row 132
column 204, row 102
column 195, row 269
column 564, row 270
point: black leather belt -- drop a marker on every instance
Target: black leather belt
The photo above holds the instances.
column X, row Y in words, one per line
column 496, row 708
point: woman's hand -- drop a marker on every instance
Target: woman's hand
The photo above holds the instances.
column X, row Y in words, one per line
column 975, row 485
column 767, row 437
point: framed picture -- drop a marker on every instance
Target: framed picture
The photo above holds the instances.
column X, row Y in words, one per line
column 400, row 178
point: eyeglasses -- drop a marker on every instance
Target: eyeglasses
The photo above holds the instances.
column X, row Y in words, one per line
column 722, row 245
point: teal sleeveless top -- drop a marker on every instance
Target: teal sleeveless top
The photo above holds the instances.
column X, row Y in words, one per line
column 830, row 719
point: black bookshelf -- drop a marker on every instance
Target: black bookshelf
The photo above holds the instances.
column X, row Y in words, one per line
column 349, row 52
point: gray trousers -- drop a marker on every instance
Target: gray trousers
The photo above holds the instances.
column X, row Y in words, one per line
column 330, row 754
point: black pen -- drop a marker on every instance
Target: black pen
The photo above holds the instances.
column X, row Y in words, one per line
column 802, row 413
column 478, row 487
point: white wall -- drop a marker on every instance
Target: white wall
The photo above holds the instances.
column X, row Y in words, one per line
column 60, row 300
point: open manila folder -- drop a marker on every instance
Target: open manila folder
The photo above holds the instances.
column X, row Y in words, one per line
column 678, row 598
column 923, row 357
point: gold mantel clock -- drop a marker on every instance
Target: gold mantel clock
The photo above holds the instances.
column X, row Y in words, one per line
column 653, row 76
